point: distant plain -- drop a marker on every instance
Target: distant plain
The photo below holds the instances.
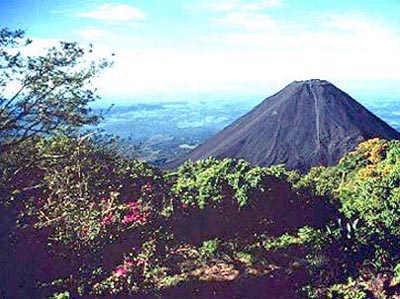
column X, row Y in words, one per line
column 158, row 131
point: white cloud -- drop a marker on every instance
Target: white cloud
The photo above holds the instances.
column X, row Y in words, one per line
column 39, row 46
column 344, row 47
column 234, row 5
column 260, row 5
column 222, row 6
column 91, row 33
column 114, row 12
column 340, row 48
column 352, row 22
column 252, row 21
column 158, row 71
column 211, row 5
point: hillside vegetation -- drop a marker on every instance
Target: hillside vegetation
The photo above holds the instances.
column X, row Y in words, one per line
column 78, row 220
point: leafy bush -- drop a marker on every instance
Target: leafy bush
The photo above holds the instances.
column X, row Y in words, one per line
column 229, row 198
column 366, row 234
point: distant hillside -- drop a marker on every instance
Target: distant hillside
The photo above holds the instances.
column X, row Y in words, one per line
column 308, row 123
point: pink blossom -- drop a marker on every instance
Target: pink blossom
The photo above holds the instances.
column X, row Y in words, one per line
column 184, row 206
column 120, row 271
column 108, row 219
column 83, row 232
column 134, row 214
column 148, row 187
column 141, row 262
column 132, row 204
column 128, row 219
column 129, row 263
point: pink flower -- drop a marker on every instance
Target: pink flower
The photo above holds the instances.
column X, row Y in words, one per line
column 120, row 271
column 148, row 187
column 184, row 206
column 83, row 232
column 129, row 263
column 128, row 219
column 134, row 214
column 141, row 262
column 108, row 219
column 132, row 204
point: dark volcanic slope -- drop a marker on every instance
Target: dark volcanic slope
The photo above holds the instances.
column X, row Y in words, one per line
column 308, row 123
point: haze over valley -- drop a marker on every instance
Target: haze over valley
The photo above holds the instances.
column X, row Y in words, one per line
column 158, row 131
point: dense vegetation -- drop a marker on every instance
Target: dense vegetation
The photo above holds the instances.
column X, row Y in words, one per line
column 78, row 220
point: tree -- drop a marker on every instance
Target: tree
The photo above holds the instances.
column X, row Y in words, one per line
column 43, row 95
column 40, row 97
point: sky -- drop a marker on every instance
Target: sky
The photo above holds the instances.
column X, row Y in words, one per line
column 186, row 47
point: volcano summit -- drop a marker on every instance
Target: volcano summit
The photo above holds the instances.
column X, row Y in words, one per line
column 308, row 123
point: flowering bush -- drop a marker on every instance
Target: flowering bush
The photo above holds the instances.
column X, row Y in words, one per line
column 96, row 224
column 93, row 207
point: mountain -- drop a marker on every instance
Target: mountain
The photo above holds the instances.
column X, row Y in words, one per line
column 308, row 123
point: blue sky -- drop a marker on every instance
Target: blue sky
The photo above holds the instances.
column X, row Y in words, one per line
column 181, row 47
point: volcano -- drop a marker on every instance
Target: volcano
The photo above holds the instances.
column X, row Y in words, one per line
column 308, row 123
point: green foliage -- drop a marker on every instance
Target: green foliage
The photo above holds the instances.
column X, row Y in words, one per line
column 40, row 96
column 209, row 248
column 92, row 218
column 370, row 194
column 225, row 198
column 64, row 295
column 366, row 234
column 209, row 182
column 323, row 181
column 53, row 90
column 129, row 229
column 348, row 291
